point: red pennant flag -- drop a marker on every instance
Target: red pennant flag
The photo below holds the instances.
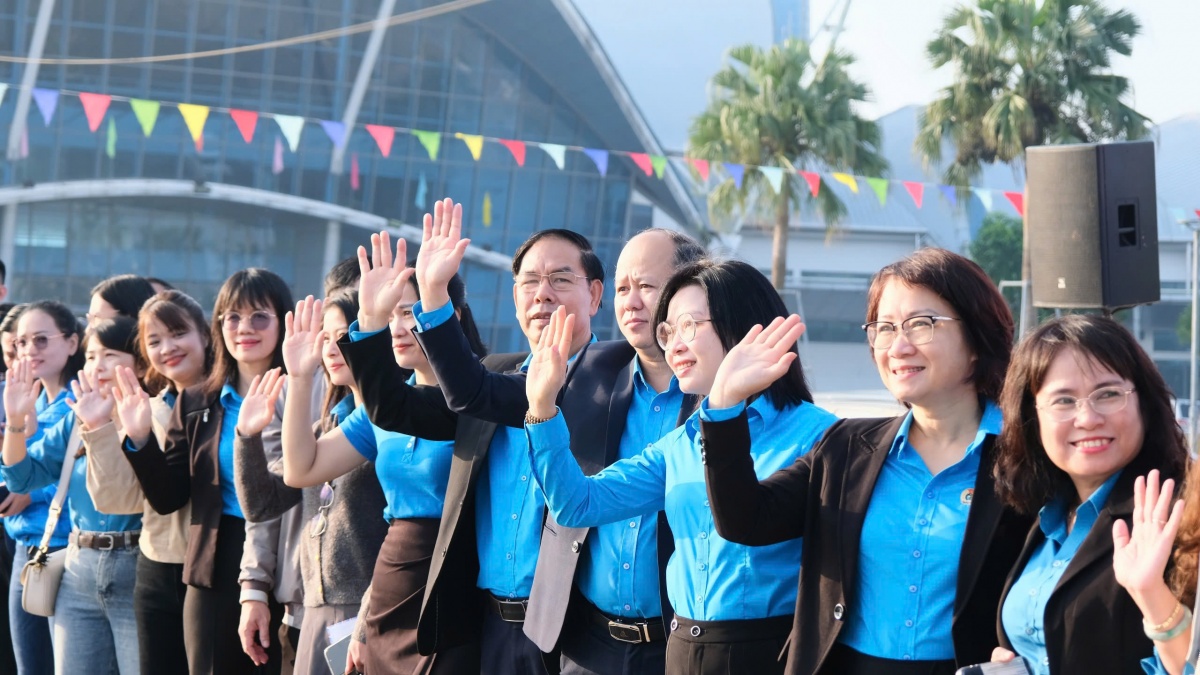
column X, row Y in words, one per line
column 813, row 180
column 1017, row 199
column 643, row 162
column 245, row 120
column 383, row 137
column 701, row 166
column 94, row 106
column 1198, row 213
column 916, row 191
column 354, row 183
column 517, row 148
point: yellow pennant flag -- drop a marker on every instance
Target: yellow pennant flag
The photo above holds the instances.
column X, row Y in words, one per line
column 194, row 116
column 487, row 209
column 474, row 144
column 847, row 180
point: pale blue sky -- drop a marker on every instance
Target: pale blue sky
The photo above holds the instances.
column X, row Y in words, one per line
column 665, row 51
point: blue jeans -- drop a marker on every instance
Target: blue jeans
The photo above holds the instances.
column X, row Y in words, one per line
column 30, row 634
column 94, row 625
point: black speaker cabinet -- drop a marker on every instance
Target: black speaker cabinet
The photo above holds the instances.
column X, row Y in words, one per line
column 1093, row 225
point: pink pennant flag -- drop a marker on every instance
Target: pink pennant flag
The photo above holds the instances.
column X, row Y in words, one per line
column 813, row 180
column 643, row 162
column 383, row 137
column 277, row 160
column 517, row 148
column 916, row 191
column 94, row 107
column 354, row 183
column 1017, row 199
column 246, row 121
column 701, row 166
column 1198, row 213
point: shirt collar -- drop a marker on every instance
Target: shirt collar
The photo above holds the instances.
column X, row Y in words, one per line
column 639, row 380
column 990, row 423
column 760, row 414
column 529, row 358
column 229, row 395
column 343, row 409
column 1053, row 516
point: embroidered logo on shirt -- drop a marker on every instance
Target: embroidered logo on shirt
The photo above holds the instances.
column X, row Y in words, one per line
column 966, row 496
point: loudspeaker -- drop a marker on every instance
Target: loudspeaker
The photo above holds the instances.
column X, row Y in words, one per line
column 1092, row 221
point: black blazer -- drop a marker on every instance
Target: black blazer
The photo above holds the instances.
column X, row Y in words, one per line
column 1091, row 623
column 823, row 497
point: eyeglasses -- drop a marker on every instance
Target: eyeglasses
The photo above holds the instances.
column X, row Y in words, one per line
column 37, row 342
column 559, row 281
column 258, row 320
column 1104, row 401
column 918, row 330
column 685, row 326
column 318, row 524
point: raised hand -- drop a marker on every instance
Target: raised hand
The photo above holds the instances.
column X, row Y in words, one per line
column 133, row 407
column 382, row 281
column 441, row 254
column 93, row 407
column 1140, row 556
column 21, row 392
column 302, row 338
column 548, row 365
column 258, row 408
column 762, row 357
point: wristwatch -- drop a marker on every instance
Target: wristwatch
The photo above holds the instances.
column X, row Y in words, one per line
column 531, row 420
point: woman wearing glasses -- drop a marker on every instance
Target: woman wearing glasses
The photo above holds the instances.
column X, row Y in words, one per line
column 906, row 546
column 1090, row 432
column 733, row 604
column 197, row 464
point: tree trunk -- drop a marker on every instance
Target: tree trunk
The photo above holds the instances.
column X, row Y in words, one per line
column 779, row 242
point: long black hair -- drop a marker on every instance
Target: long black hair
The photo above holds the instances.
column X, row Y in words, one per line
column 66, row 322
column 125, row 292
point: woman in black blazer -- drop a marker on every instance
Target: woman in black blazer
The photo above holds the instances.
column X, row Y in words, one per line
column 1088, row 416
column 905, row 546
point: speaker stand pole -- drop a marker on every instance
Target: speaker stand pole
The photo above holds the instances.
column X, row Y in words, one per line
column 1193, row 418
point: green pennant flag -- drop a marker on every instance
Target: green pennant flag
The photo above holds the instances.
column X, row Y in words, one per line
column 147, row 113
column 880, row 186
column 659, row 163
column 432, row 140
column 110, row 146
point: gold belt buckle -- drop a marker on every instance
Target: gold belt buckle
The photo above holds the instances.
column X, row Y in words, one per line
column 629, row 632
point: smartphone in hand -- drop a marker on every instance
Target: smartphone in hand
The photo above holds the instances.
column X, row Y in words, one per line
column 1015, row 667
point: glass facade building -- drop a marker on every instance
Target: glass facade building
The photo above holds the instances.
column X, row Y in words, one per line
column 514, row 69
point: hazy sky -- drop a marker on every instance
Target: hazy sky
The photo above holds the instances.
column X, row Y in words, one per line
column 665, row 51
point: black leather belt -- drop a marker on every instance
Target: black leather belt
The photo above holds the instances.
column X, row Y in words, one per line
column 105, row 541
column 633, row 631
column 512, row 611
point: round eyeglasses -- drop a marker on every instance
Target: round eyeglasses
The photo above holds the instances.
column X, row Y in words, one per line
column 257, row 320
column 685, row 326
column 1104, row 401
column 918, row 330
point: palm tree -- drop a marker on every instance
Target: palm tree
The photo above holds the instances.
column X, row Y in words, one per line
column 1027, row 72
column 779, row 108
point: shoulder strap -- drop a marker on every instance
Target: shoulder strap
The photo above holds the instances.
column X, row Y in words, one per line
column 64, row 483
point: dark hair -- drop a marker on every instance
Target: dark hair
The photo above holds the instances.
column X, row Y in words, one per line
column 687, row 250
column 251, row 287
column 155, row 281
column 66, row 322
column 1025, row 477
column 347, row 304
column 457, row 291
column 592, row 267
column 125, row 292
column 178, row 312
column 119, row 333
column 8, row 322
column 739, row 296
column 3, row 272
column 4, row 309
column 343, row 277
column 982, row 312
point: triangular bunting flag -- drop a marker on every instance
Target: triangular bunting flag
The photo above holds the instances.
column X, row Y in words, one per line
column 336, row 131
column 774, row 176
column 558, row 153
column 432, row 140
column 354, row 184
column 642, row 160
column 1017, row 199
column 146, row 113
column 487, row 209
column 277, row 158
column 3, row 89
column 659, row 163
column 813, row 180
column 195, row 116
column 880, row 186
column 701, row 167
column 422, row 190
column 94, row 107
column 517, row 148
column 47, row 101
column 847, row 180
column 985, row 197
column 383, row 137
column 916, row 191
column 110, row 145
column 600, row 157
column 246, row 121
column 474, row 144
column 1198, row 213
column 291, row 126
column 736, row 172
column 950, row 193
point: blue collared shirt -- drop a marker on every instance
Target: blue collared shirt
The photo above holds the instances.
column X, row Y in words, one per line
column 708, row 577
column 232, row 405
column 28, row 526
column 1024, row 611
column 619, row 572
column 912, row 539
column 412, row 471
column 43, row 464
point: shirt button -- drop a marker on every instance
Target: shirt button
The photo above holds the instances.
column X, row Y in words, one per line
column 627, row 608
column 923, row 522
column 649, row 445
column 657, row 409
column 1045, row 660
column 626, row 566
column 524, row 477
column 908, row 623
column 633, row 523
column 699, row 597
column 908, row 657
column 706, row 502
column 508, row 556
column 1029, row 631
column 703, row 566
column 704, row 535
column 1058, row 563
column 514, row 516
column 912, row 589
column 916, row 554
column 929, row 495
column 1033, row 593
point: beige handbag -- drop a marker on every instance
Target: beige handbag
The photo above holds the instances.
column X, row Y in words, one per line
column 42, row 575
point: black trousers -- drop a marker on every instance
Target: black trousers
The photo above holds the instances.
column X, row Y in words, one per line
column 846, row 661
column 727, row 647
column 211, row 615
column 506, row 650
column 8, row 661
column 158, row 597
column 589, row 649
